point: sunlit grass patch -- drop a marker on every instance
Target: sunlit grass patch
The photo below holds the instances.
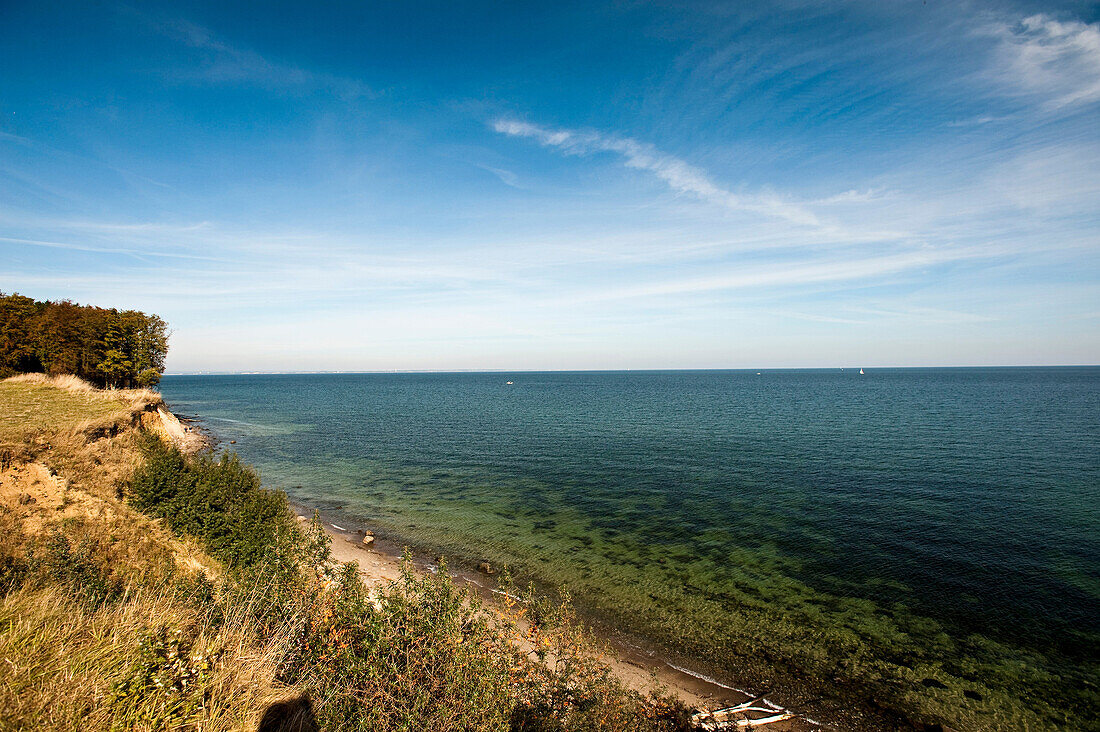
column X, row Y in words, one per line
column 34, row 403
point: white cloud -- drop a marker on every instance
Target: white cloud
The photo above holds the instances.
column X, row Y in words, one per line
column 978, row 121
column 100, row 249
column 1058, row 179
column 113, row 227
column 224, row 63
column 506, row 177
column 924, row 315
column 779, row 275
column 9, row 137
column 1058, row 61
column 676, row 173
column 852, row 196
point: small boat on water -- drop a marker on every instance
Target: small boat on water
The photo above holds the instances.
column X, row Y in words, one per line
column 507, row 383
column 861, row 372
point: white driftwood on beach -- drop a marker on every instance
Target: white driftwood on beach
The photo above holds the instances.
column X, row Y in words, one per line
column 737, row 716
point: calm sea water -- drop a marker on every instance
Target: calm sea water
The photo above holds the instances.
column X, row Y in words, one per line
column 932, row 535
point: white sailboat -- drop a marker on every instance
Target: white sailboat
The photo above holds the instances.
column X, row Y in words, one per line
column 861, row 372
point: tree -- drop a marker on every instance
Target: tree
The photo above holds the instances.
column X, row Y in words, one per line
column 147, row 378
column 18, row 317
column 59, row 338
column 151, row 344
column 108, row 347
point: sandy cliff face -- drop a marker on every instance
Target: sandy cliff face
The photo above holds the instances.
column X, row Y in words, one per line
column 73, row 473
column 169, row 428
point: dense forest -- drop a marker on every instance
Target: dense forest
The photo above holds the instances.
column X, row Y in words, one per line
column 106, row 346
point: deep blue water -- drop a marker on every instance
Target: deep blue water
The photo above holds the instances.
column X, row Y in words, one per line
column 968, row 499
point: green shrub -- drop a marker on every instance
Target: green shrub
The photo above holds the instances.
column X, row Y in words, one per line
column 421, row 655
column 168, row 671
column 147, row 378
column 161, row 478
column 219, row 501
column 59, row 561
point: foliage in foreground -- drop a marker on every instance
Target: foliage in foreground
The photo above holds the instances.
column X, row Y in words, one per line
column 101, row 627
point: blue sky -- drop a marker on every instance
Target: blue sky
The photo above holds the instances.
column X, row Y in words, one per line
column 562, row 185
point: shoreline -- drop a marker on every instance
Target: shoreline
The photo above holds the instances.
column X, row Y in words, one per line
column 637, row 668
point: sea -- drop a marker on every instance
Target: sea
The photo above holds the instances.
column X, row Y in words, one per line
column 923, row 540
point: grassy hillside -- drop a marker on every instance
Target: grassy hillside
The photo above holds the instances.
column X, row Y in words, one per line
column 98, row 599
column 34, row 404
column 147, row 589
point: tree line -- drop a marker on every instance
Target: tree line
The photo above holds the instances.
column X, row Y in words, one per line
column 109, row 347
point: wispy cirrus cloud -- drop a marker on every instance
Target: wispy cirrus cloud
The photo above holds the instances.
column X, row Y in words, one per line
column 852, row 196
column 506, row 177
column 138, row 253
column 924, row 314
column 116, row 227
column 678, row 174
column 221, row 62
column 976, row 121
column 1056, row 61
column 9, row 137
column 774, row 275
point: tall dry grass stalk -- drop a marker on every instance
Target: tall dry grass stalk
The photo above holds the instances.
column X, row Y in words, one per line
column 77, row 385
column 67, row 382
column 148, row 662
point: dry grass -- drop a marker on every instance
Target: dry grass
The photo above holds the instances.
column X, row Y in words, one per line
column 149, row 662
column 97, row 630
column 68, row 382
column 36, row 403
column 60, row 420
column 94, row 630
column 75, row 485
column 77, row 385
column 96, row 467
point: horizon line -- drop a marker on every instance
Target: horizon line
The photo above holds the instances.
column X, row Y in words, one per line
column 621, row 370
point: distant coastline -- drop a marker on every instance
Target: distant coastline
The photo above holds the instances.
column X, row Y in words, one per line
column 731, row 369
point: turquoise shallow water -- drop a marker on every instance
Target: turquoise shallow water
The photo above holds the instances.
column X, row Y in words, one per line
column 930, row 537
